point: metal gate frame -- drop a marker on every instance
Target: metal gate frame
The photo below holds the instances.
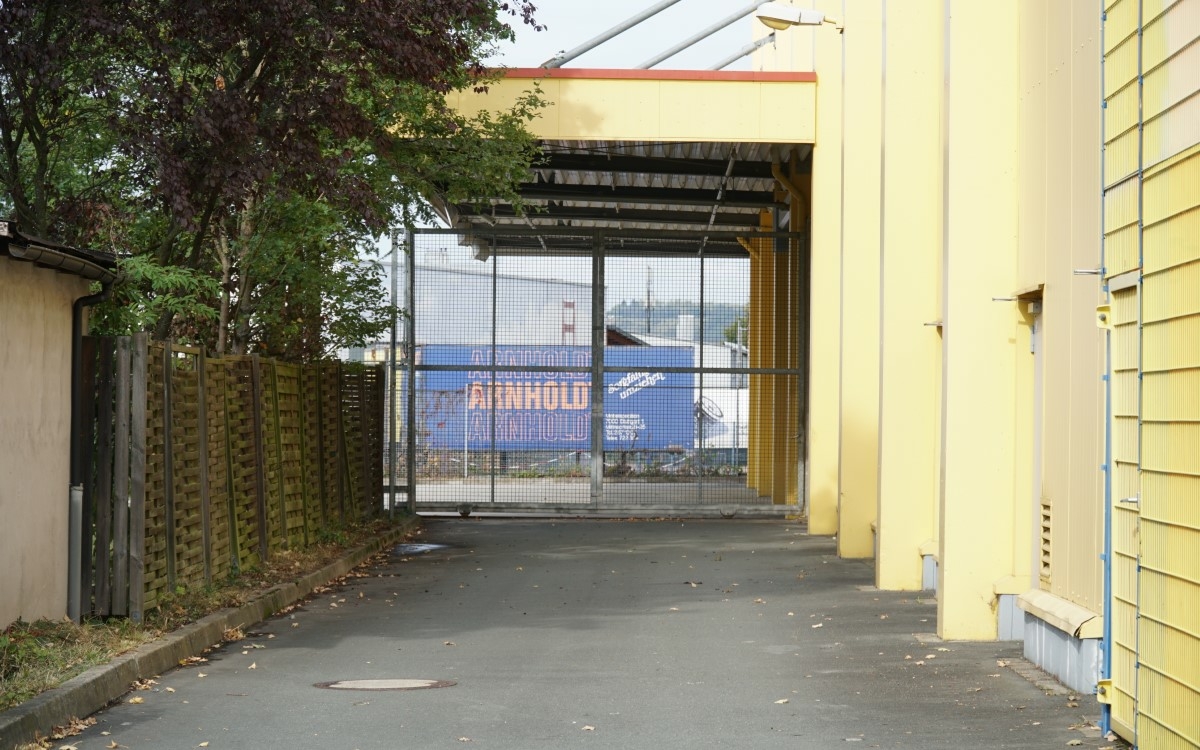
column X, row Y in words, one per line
column 599, row 244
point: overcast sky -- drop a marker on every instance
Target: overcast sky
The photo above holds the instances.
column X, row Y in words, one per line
column 570, row 23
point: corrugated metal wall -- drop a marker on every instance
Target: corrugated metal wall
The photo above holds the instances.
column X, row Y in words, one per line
column 1152, row 223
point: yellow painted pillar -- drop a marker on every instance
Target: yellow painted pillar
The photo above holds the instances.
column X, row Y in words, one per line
column 785, row 427
column 910, row 275
column 979, row 263
column 754, row 419
column 824, row 360
column 798, row 321
column 860, row 279
column 766, row 342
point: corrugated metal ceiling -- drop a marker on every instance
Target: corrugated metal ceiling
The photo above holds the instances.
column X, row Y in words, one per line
column 641, row 188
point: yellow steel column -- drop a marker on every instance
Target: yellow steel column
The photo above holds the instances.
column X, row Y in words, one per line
column 766, row 341
column 824, row 303
column 753, row 420
column 910, row 336
column 798, row 321
column 860, row 280
column 784, row 428
column 975, row 541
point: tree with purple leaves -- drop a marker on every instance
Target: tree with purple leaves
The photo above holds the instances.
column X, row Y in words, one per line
column 243, row 153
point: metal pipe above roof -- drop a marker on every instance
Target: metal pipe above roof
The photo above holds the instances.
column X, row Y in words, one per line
column 558, row 60
column 748, row 49
column 699, row 36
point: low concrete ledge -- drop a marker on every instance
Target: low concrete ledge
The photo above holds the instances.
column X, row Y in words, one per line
column 1072, row 619
column 97, row 687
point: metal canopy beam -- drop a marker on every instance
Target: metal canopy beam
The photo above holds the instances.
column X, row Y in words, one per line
column 622, row 164
column 558, row 212
column 649, row 195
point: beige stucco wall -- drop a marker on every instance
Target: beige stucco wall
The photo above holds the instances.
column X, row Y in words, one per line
column 35, row 414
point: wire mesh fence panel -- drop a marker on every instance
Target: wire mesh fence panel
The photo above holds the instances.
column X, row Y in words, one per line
column 568, row 371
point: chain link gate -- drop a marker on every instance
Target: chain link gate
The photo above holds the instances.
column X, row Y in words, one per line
column 598, row 372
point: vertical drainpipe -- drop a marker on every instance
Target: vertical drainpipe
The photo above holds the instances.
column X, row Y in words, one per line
column 75, row 504
column 1107, row 555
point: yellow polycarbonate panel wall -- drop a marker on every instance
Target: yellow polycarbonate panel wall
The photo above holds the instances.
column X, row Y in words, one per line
column 1124, row 426
column 1169, row 626
column 910, row 340
column 1124, row 617
column 1152, row 224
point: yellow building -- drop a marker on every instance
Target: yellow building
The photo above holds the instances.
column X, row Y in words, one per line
column 1002, row 396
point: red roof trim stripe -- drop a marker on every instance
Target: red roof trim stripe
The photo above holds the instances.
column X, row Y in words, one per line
column 663, row 75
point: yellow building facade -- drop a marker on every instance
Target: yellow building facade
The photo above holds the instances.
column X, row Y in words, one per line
column 1018, row 357
column 1002, row 316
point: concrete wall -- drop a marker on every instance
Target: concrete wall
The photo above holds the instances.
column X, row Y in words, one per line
column 35, row 414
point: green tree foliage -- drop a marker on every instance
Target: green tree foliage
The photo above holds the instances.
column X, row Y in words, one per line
column 246, row 154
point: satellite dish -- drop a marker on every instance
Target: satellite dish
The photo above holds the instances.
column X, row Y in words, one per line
column 708, row 409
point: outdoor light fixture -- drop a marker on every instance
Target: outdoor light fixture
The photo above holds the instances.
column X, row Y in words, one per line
column 780, row 16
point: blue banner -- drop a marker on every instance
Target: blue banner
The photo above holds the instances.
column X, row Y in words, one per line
column 535, row 410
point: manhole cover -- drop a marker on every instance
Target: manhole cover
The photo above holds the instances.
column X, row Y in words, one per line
column 417, row 548
column 385, row 684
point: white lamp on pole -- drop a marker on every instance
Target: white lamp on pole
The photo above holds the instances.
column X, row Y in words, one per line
column 780, row 16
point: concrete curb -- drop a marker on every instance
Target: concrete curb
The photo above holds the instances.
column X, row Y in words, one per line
column 97, row 687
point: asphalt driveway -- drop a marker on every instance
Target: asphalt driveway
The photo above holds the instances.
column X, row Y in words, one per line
column 604, row 634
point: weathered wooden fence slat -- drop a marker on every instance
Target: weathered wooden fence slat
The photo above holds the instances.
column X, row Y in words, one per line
column 103, row 496
column 137, row 477
column 121, row 460
column 200, row 466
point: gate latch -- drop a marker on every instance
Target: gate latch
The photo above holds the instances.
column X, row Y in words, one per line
column 1103, row 690
column 1104, row 317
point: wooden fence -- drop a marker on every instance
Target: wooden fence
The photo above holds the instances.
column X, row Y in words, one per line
column 202, row 466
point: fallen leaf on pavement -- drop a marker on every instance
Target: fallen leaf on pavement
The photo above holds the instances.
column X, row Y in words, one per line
column 449, row 643
column 170, row 689
column 781, row 701
column 1075, row 743
column 587, row 728
column 253, row 666
column 201, row 674
column 71, row 728
column 138, row 699
column 819, row 625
